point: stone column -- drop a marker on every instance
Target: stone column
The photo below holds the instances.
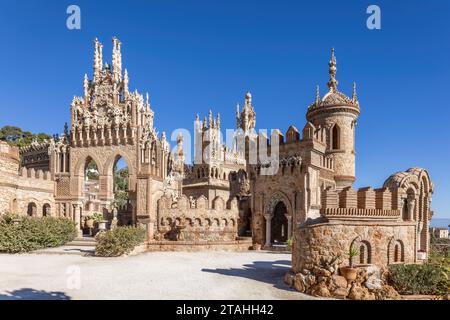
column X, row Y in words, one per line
column 77, row 219
column 289, row 230
column 268, row 218
column 410, row 207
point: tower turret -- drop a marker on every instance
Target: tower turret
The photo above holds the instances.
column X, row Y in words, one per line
column 337, row 113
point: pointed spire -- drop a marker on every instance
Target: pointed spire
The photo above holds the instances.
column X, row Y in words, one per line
column 248, row 99
column 86, row 86
column 211, row 124
column 317, row 96
column 126, row 81
column 218, row 120
column 116, row 60
column 354, row 96
column 332, row 83
column 97, row 59
column 204, row 123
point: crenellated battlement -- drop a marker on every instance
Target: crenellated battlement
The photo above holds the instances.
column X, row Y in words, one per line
column 364, row 202
column 31, row 173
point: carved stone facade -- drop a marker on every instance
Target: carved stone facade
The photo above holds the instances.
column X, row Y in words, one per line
column 297, row 185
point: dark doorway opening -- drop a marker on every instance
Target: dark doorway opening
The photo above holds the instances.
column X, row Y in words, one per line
column 279, row 224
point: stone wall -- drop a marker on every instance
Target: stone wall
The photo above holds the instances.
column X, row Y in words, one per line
column 22, row 188
column 193, row 219
column 332, row 240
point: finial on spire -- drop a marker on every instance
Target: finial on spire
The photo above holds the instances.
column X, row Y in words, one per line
column 317, row 96
column 332, row 83
column 248, row 98
column 116, row 59
column 126, row 81
column 354, row 96
column 86, row 86
column 211, row 124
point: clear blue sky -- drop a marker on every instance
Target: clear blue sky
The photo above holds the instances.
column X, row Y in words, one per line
column 195, row 55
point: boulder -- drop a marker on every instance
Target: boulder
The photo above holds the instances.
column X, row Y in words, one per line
column 310, row 280
column 321, row 290
column 387, row 292
column 338, row 286
column 299, row 282
column 321, row 272
column 357, row 292
column 289, row 279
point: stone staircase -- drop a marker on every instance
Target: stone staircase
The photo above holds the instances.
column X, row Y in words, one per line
column 84, row 246
column 82, row 242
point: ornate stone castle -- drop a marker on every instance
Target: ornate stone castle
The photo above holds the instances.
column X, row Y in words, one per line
column 260, row 192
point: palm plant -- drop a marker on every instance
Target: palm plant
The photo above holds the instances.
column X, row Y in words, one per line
column 353, row 252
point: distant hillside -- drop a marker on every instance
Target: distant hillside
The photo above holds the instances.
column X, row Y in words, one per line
column 15, row 136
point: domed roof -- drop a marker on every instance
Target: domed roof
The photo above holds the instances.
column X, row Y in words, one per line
column 413, row 177
column 334, row 97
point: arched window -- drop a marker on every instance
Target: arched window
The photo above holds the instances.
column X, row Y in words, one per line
column 365, row 252
column 405, row 209
column 46, row 210
column 335, row 137
column 32, row 209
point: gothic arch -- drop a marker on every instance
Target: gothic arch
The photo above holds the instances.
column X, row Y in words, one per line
column 110, row 162
column 273, row 201
column 396, row 251
column 81, row 163
column 364, row 250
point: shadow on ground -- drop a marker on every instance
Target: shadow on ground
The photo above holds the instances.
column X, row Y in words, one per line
column 271, row 272
column 33, row 294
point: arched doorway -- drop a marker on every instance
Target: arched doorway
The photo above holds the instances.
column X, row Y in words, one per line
column 91, row 186
column 121, row 202
column 279, row 224
column 32, row 209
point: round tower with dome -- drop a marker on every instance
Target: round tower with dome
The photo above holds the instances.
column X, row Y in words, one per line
column 337, row 114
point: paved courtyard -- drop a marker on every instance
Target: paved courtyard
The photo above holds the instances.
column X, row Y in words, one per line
column 156, row 275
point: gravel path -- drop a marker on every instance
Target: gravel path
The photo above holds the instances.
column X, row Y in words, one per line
column 155, row 275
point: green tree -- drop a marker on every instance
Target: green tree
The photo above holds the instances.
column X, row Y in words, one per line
column 15, row 136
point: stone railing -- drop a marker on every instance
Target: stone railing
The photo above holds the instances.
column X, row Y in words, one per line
column 192, row 220
column 358, row 213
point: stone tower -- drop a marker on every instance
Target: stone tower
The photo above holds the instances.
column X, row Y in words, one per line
column 337, row 114
column 246, row 120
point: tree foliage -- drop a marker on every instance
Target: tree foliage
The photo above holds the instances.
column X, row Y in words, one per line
column 15, row 136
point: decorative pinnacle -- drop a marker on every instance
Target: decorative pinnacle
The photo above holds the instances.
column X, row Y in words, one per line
column 317, row 96
column 211, row 124
column 332, row 83
column 354, row 96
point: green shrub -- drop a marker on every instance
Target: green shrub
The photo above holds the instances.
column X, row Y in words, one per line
column 419, row 279
column 121, row 240
column 31, row 233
